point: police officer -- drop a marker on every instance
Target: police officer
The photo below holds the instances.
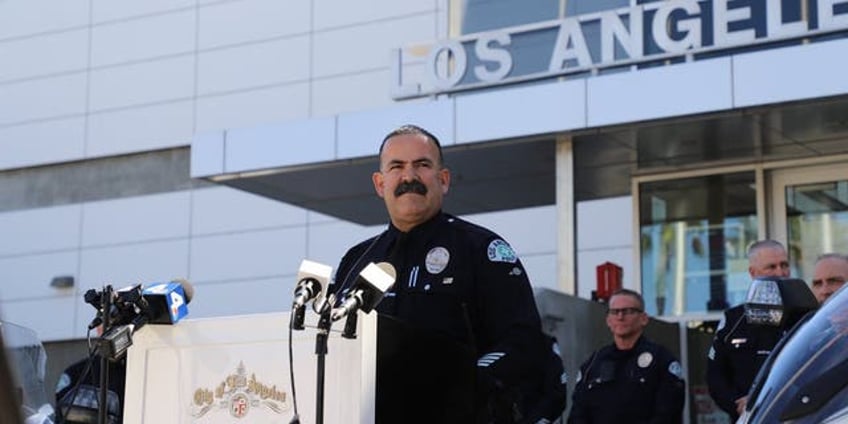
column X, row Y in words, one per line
column 632, row 380
column 457, row 279
column 739, row 349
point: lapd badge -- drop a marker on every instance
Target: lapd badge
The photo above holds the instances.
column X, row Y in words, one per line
column 645, row 359
column 500, row 251
column 437, row 260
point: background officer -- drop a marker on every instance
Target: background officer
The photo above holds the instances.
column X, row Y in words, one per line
column 739, row 349
column 632, row 380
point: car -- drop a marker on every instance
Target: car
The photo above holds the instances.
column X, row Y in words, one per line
column 805, row 378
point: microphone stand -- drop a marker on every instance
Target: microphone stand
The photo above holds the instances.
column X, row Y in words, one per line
column 324, row 324
column 102, row 410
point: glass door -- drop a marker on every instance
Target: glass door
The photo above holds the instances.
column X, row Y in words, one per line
column 810, row 213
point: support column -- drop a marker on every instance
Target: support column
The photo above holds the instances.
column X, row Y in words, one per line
column 566, row 249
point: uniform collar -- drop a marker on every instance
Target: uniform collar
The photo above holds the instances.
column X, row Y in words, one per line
column 420, row 230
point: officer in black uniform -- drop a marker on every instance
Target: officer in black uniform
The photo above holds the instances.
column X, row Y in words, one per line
column 78, row 392
column 632, row 380
column 739, row 349
column 458, row 280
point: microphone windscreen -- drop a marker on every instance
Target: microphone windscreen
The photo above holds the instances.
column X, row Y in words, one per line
column 388, row 269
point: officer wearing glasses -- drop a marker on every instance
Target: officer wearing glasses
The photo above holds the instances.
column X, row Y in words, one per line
column 631, row 380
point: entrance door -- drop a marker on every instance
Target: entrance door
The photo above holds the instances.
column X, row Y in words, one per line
column 810, row 212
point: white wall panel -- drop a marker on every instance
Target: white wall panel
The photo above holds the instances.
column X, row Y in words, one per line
column 225, row 210
column 44, row 54
column 139, row 129
column 260, row 254
column 144, row 38
column 58, row 96
column 243, row 297
column 142, row 83
column 42, row 142
column 108, row 10
column 22, row 17
column 254, row 107
column 268, row 146
column 541, row 269
column 47, row 325
column 527, row 230
column 505, row 113
column 790, row 73
column 677, row 90
column 207, row 154
column 132, row 219
column 329, row 242
column 360, row 133
column 40, row 230
column 253, row 65
column 137, row 263
column 346, row 93
column 29, row 276
column 367, row 47
column 605, row 223
column 336, row 13
column 235, row 22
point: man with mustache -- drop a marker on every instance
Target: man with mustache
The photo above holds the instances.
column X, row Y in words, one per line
column 462, row 281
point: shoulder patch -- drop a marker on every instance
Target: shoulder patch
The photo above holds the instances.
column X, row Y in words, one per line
column 675, row 369
column 500, row 251
column 721, row 323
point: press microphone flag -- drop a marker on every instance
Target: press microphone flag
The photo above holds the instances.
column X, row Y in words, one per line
column 168, row 302
column 312, row 281
column 368, row 290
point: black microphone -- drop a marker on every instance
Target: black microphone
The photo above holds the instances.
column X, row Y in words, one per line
column 368, row 290
column 312, row 279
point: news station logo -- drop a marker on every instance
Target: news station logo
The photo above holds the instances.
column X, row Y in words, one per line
column 238, row 394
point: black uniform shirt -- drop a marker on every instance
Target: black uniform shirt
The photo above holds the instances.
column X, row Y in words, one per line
column 462, row 280
column 738, row 352
column 640, row 385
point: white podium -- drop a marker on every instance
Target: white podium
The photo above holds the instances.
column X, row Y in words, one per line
column 236, row 369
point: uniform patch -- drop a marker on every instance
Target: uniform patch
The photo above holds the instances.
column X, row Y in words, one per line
column 500, row 251
column 711, row 354
column 437, row 260
column 720, row 324
column 645, row 359
column 675, row 369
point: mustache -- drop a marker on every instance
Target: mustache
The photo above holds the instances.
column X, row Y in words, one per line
column 413, row 186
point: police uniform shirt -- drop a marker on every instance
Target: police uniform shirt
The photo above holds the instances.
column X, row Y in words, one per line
column 737, row 353
column 639, row 385
column 462, row 280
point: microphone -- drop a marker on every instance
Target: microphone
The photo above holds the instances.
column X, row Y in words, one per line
column 312, row 279
column 167, row 302
column 368, row 290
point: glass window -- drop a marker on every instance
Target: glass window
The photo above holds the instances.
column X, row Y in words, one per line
column 694, row 235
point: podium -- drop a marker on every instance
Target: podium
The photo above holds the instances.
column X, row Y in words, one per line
column 236, row 369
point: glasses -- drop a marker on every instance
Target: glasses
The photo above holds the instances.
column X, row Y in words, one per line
column 624, row 311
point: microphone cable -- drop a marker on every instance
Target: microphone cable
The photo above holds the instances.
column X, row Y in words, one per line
column 296, row 418
column 344, row 285
column 63, row 408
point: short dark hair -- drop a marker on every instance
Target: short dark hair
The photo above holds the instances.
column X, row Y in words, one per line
column 633, row 294
column 414, row 129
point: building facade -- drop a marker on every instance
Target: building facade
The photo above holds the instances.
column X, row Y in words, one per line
column 224, row 141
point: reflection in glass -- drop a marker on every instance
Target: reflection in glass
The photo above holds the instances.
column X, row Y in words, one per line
column 694, row 235
column 817, row 223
